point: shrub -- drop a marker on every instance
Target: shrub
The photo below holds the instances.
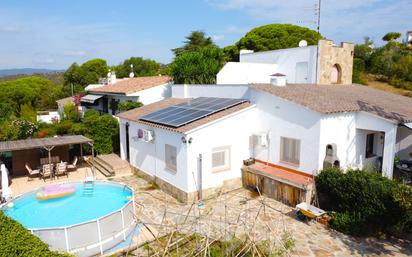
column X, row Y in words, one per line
column 364, row 203
column 125, row 106
column 17, row 241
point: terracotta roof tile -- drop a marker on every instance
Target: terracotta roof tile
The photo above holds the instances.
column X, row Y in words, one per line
column 344, row 98
column 135, row 114
column 132, row 85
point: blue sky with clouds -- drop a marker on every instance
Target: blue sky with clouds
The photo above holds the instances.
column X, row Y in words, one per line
column 54, row 34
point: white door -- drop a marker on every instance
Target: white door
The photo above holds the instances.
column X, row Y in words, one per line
column 301, row 72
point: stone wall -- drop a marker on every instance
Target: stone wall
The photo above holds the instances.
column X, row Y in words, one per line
column 188, row 197
column 330, row 55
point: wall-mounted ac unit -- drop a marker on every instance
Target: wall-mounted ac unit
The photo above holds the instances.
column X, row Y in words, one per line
column 260, row 139
column 145, row 135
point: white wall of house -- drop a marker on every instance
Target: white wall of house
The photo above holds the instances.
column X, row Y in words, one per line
column 404, row 143
column 153, row 94
column 282, row 118
column 371, row 122
column 48, row 118
column 232, row 131
column 150, row 157
column 244, row 73
column 291, row 62
column 224, row 91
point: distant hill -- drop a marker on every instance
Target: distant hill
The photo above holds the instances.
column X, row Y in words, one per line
column 25, row 71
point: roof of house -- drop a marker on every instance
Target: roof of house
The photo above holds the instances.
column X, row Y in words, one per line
column 32, row 143
column 63, row 101
column 136, row 114
column 344, row 98
column 132, row 85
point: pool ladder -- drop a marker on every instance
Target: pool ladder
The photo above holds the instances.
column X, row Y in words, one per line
column 88, row 188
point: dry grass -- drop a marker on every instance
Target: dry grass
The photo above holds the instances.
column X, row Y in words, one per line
column 388, row 88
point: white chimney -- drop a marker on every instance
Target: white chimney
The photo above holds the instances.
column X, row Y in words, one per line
column 243, row 52
column 113, row 78
column 131, row 74
column 278, row 79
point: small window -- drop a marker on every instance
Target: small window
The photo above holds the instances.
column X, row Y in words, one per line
column 290, row 150
column 170, row 157
column 370, row 139
column 220, row 159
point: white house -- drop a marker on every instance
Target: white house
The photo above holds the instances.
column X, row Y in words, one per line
column 297, row 128
column 300, row 65
column 409, row 37
column 105, row 97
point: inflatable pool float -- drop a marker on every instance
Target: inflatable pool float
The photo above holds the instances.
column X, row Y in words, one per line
column 55, row 191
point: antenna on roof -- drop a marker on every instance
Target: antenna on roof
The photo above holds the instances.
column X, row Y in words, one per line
column 131, row 74
column 317, row 12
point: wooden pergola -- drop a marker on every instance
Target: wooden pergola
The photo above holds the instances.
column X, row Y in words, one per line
column 46, row 143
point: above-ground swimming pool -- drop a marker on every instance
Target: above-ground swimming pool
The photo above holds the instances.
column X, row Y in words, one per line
column 96, row 217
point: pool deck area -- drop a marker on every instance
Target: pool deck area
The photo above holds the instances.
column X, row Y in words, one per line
column 20, row 185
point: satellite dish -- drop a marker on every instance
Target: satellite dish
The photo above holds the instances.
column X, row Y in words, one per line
column 303, row 43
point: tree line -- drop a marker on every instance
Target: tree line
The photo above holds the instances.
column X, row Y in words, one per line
column 390, row 63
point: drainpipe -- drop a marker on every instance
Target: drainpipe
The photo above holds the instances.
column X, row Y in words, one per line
column 199, row 196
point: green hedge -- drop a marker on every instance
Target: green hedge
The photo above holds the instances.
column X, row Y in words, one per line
column 363, row 203
column 15, row 240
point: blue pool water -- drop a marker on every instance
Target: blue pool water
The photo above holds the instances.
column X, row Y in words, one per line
column 69, row 210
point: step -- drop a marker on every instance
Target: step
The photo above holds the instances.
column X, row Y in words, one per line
column 103, row 170
column 113, row 162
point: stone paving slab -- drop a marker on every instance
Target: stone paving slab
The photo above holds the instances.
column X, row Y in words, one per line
column 240, row 211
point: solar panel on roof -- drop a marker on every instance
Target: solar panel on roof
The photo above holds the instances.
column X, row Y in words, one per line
column 192, row 110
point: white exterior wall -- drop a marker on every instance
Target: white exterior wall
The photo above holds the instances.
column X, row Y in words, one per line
column 48, row 118
column 149, row 157
column 233, row 131
column 281, row 118
column 375, row 123
column 286, row 60
column 339, row 129
column 244, row 73
column 404, row 143
column 153, row 94
column 224, row 91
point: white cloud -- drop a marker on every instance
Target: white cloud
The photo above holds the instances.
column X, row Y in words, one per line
column 75, row 53
column 9, row 29
column 218, row 37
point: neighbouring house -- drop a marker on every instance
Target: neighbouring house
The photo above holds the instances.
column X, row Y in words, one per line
column 299, row 65
column 105, row 97
column 292, row 131
column 48, row 117
column 69, row 100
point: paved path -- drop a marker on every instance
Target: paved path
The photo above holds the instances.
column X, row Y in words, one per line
column 242, row 213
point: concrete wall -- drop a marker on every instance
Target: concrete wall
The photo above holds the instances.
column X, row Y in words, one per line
column 339, row 129
column 149, row 157
column 244, row 73
column 329, row 55
column 226, row 91
column 287, row 59
column 153, row 94
column 404, row 143
column 280, row 118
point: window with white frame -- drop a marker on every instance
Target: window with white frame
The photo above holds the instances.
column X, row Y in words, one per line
column 290, row 150
column 221, row 158
column 170, row 157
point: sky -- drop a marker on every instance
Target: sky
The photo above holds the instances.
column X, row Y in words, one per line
column 54, row 34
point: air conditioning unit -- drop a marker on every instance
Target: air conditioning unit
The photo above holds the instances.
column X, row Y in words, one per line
column 145, row 135
column 260, row 139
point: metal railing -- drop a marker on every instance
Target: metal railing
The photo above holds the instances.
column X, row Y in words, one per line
column 93, row 236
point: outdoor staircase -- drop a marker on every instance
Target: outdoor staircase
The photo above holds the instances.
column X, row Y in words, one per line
column 111, row 164
column 88, row 188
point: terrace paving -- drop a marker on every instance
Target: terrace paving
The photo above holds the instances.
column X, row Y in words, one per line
column 239, row 212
